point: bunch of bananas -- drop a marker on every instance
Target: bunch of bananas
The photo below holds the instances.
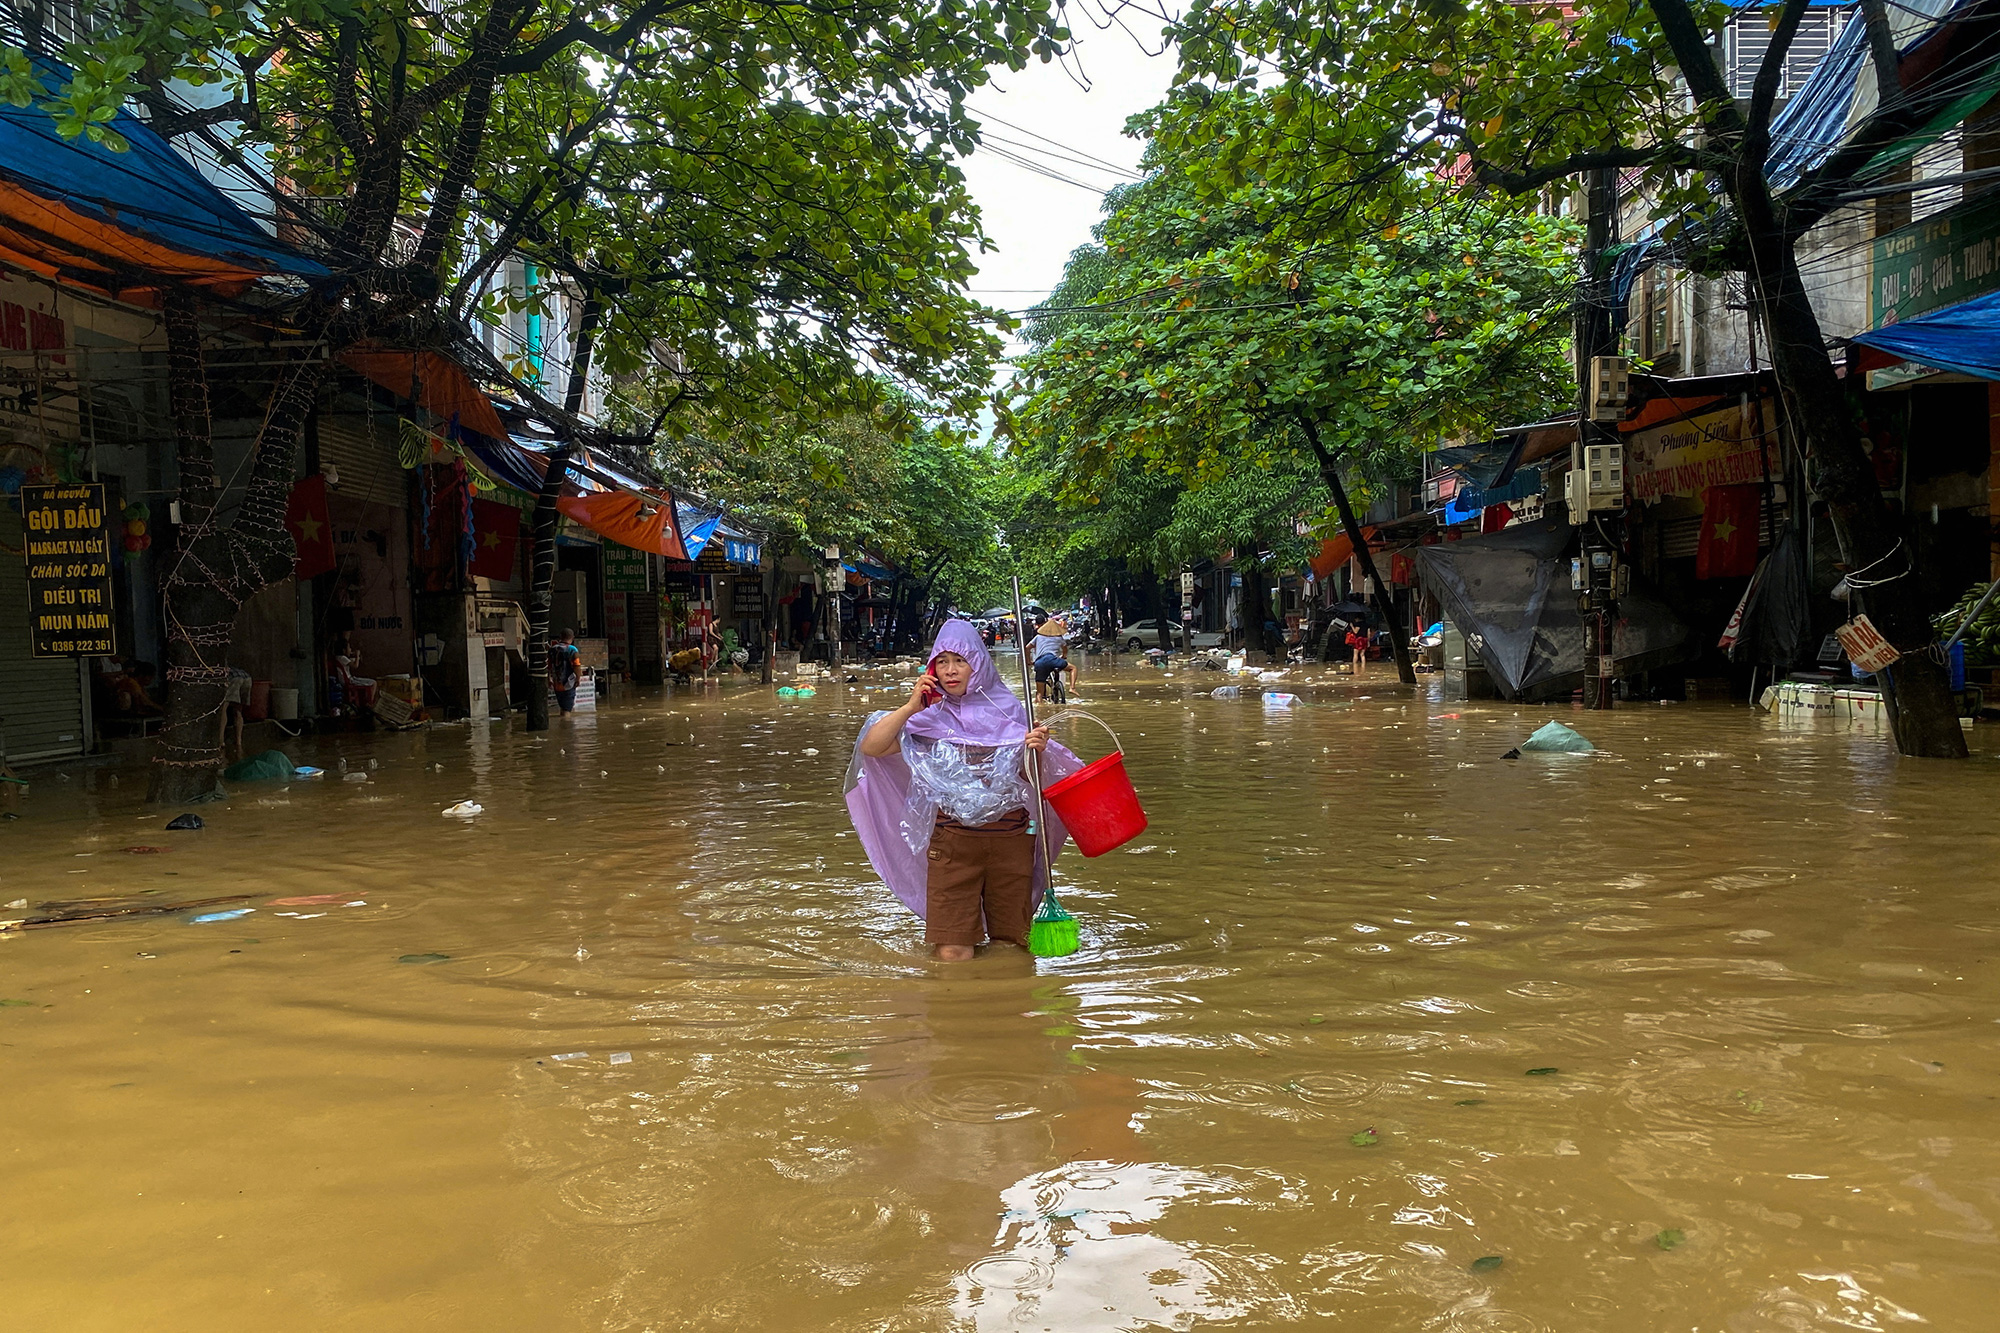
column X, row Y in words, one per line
column 1982, row 636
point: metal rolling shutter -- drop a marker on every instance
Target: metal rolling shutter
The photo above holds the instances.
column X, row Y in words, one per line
column 41, row 698
column 1680, row 537
column 364, row 447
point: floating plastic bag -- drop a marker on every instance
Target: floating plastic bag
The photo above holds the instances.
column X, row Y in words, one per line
column 1273, row 699
column 270, row 766
column 1226, row 692
column 464, row 810
column 1555, row 738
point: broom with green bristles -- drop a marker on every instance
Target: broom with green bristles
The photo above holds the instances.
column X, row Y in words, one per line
column 1052, row 934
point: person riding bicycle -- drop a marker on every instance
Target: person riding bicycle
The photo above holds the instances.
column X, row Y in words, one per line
column 1051, row 655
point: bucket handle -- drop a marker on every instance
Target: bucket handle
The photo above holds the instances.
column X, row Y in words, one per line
column 1063, row 713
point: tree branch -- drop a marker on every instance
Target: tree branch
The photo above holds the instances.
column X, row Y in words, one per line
column 1770, row 74
column 1882, row 53
column 579, row 33
column 1697, row 64
column 169, row 121
column 1654, row 155
column 344, row 112
column 482, row 78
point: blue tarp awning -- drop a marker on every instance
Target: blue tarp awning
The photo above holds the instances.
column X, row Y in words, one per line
column 119, row 221
column 698, row 526
column 1963, row 337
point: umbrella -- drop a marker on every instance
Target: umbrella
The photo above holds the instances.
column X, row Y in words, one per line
column 1349, row 609
column 998, row 613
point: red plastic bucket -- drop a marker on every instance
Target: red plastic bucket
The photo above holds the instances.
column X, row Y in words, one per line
column 1097, row 804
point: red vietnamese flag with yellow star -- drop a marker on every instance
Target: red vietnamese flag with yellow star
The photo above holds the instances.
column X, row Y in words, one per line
column 496, row 537
column 312, row 530
column 1728, row 546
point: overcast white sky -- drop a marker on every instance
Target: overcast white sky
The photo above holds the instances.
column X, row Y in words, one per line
column 1053, row 120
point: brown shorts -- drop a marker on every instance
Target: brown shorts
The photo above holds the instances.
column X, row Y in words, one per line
column 982, row 882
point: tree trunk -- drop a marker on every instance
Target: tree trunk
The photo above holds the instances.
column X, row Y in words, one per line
column 1399, row 636
column 548, row 521
column 770, row 623
column 199, row 595
column 541, row 584
column 215, row 569
column 1255, row 604
column 1917, row 688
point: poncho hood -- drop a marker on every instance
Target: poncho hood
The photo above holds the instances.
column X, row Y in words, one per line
column 987, row 713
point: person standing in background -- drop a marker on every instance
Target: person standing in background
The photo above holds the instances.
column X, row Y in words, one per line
column 234, row 702
column 565, row 670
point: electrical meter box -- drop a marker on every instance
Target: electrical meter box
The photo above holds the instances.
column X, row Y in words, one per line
column 1610, row 387
column 1596, row 479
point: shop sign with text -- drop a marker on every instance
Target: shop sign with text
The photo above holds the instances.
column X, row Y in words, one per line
column 1939, row 261
column 69, row 570
column 624, row 569
column 1719, row 447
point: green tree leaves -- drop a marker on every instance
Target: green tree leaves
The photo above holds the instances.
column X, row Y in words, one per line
column 1187, row 345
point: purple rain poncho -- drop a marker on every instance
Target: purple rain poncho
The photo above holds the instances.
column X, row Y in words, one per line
column 960, row 755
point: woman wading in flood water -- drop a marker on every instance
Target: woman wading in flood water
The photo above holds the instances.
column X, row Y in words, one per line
column 940, row 795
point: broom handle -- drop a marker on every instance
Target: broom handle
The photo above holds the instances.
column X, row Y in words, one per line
column 1028, row 697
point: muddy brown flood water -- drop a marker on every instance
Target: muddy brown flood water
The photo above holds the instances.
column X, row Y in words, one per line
column 1698, row 1033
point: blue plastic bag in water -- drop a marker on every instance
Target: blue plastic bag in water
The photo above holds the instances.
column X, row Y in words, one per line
column 1555, row 738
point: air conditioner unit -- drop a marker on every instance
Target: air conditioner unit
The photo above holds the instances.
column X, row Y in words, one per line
column 1610, row 387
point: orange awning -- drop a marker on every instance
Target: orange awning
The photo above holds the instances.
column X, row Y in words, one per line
column 622, row 516
column 1669, row 408
column 434, row 381
column 50, row 238
column 1336, row 551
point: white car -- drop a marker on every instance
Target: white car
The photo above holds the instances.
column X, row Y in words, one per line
column 1144, row 634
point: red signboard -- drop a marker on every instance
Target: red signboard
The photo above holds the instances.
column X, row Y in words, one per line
column 1865, row 646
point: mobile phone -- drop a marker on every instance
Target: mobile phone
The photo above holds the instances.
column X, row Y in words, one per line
column 931, row 695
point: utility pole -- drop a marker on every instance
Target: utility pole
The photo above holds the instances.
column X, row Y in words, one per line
column 830, row 621
column 1597, row 477
column 1187, row 606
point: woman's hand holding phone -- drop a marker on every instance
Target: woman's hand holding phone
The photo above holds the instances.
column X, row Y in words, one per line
column 928, row 692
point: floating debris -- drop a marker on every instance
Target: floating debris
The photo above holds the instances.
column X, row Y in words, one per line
column 229, row 915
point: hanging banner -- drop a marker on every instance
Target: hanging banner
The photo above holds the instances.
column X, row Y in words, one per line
column 496, row 540
column 312, row 528
column 1727, row 547
column 69, row 570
